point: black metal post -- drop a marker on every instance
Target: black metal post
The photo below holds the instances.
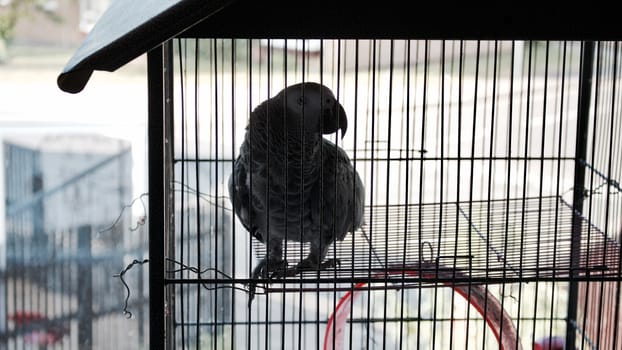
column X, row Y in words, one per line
column 155, row 130
column 169, row 209
column 585, row 95
column 85, row 289
column 140, row 315
column 160, row 143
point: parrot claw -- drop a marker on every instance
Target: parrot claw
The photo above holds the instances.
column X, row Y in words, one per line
column 251, row 293
column 269, row 268
column 266, row 269
column 307, row 265
column 330, row 264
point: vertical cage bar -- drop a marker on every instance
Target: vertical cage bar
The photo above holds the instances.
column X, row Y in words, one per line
column 585, row 92
column 169, row 193
column 198, row 214
column 234, row 244
column 156, row 195
column 160, row 109
column 183, row 217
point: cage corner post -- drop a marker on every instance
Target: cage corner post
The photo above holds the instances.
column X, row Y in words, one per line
column 160, row 143
column 585, row 95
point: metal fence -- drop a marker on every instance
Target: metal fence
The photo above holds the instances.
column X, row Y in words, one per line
column 66, row 244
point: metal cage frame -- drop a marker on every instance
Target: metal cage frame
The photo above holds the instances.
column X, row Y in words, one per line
column 241, row 19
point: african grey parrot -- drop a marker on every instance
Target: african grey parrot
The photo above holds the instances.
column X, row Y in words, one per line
column 289, row 183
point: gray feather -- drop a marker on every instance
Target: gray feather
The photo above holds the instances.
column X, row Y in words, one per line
column 288, row 182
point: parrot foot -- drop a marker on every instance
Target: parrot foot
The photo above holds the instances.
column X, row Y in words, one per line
column 267, row 269
column 330, row 264
column 308, row 265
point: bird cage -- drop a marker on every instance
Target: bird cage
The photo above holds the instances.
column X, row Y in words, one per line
column 487, row 147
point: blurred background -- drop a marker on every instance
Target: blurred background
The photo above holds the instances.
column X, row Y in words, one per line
column 73, row 184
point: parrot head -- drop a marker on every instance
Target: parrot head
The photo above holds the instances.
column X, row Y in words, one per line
column 316, row 106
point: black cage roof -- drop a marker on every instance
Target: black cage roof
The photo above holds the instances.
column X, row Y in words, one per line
column 130, row 28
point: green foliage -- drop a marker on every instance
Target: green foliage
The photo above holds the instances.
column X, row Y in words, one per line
column 11, row 11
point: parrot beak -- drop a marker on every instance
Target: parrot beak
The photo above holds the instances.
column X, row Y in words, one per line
column 334, row 119
column 343, row 121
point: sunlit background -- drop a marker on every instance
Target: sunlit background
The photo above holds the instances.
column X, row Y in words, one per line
column 72, row 184
column 73, row 222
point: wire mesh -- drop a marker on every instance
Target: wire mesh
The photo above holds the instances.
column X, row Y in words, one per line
column 57, row 287
column 468, row 154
